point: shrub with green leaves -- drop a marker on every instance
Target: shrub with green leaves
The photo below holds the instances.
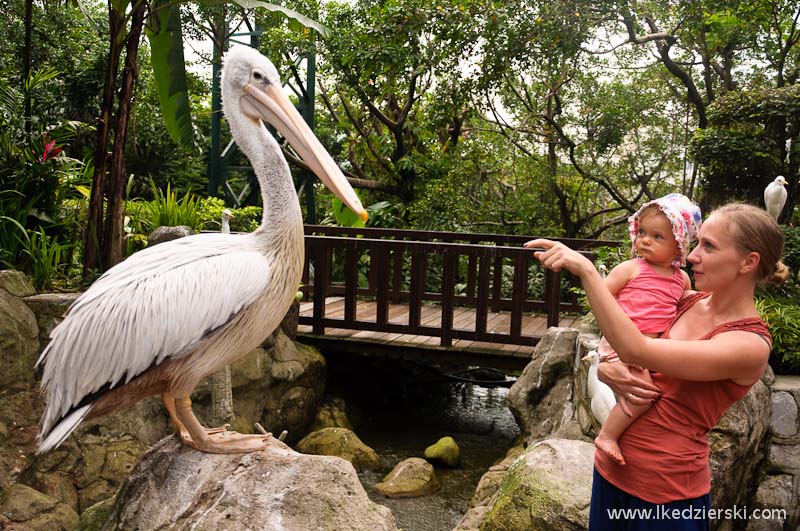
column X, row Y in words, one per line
column 791, row 250
column 245, row 219
column 783, row 315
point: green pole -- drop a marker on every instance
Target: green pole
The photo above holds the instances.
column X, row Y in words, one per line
column 215, row 153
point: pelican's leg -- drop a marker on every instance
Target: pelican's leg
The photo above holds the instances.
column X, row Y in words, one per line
column 183, row 433
column 228, row 442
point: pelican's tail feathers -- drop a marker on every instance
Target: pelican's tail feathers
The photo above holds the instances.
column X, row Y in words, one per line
column 61, row 431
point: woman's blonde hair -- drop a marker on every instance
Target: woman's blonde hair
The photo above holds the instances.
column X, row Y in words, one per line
column 754, row 230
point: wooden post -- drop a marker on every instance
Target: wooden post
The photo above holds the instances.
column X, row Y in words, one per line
column 552, row 296
column 448, row 285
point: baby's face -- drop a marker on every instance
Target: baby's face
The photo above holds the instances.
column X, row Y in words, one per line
column 655, row 241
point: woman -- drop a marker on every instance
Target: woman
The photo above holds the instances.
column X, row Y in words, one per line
column 709, row 357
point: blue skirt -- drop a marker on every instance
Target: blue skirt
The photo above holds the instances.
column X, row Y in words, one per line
column 613, row 509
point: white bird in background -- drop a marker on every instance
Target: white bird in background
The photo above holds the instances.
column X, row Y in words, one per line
column 601, row 396
column 225, row 225
column 174, row 313
column 775, row 196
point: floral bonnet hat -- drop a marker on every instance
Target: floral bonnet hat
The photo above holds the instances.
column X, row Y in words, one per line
column 683, row 215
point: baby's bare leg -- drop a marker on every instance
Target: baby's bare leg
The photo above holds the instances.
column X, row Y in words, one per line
column 617, row 422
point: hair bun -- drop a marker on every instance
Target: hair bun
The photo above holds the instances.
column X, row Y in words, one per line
column 780, row 275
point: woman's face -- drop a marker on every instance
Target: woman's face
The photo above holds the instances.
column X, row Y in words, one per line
column 716, row 262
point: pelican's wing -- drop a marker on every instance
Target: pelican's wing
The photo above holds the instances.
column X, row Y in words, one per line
column 156, row 305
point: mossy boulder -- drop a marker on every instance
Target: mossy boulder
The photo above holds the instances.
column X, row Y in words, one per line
column 93, row 518
column 332, row 413
column 19, row 341
column 343, row 443
column 445, row 451
column 548, row 489
column 410, row 478
column 16, row 283
column 27, row 509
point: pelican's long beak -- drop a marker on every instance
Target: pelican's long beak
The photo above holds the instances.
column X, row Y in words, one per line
column 276, row 109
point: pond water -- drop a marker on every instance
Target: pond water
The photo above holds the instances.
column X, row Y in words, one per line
column 399, row 410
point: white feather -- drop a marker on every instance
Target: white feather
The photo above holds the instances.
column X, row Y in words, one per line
column 62, row 430
column 601, row 395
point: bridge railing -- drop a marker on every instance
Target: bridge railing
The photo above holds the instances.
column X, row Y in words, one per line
column 481, row 271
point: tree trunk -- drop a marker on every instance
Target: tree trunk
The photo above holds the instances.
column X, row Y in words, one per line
column 112, row 234
column 27, row 52
column 221, row 397
column 93, row 239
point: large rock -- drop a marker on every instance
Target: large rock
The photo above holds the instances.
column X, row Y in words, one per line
column 19, row 341
column 548, row 489
column 541, row 398
column 25, row 509
column 341, row 442
column 174, row 487
column 737, row 448
column 410, row 478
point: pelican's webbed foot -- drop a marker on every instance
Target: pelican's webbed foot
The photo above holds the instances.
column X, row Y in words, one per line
column 215, row 441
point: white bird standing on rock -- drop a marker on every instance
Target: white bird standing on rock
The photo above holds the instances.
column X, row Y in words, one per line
column 170, row 315
column 775, row 196
column 601, row 396
column 225, row 226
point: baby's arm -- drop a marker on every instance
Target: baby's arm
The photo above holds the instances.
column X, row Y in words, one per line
column 621, row 275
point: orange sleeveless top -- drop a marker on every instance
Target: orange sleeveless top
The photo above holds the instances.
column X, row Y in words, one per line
column 666, row 448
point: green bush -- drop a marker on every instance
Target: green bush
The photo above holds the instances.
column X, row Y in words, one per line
column 245, row 219
column 783, row 315
column 791, row 250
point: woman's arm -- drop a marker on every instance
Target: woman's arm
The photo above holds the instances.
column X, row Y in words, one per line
column 736, row 355
column 629, row 388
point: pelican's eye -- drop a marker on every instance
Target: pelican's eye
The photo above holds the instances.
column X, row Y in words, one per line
column 258, row 76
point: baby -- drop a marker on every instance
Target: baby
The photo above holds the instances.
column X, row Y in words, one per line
column 648, row 287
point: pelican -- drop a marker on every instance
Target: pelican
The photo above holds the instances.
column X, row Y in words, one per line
column 225, row 225
column 775, row 196
column 601, row 396
column 172, row 314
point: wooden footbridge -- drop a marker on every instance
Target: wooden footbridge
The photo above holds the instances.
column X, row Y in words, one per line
column 434, row 295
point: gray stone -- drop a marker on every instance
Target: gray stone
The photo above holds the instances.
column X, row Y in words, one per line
column 775, row 491
column 165, row 234
column 784, row 456
column 549, row 488
column 19, row 341
column 445, row 451
column 16, row 283
column 175, row 487
column 788, row 383
column 411, row 478
column 341, row 442
column 784, row 414
column 49, row 309
column 540, row 399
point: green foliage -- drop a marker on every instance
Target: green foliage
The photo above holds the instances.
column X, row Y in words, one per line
column 245, row 219
column 344, row 216
column 169, row 211
column 782, row 314
column 43, row 257
column 791, row 250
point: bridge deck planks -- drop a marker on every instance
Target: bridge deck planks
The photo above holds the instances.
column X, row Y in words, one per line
column 431, row 315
